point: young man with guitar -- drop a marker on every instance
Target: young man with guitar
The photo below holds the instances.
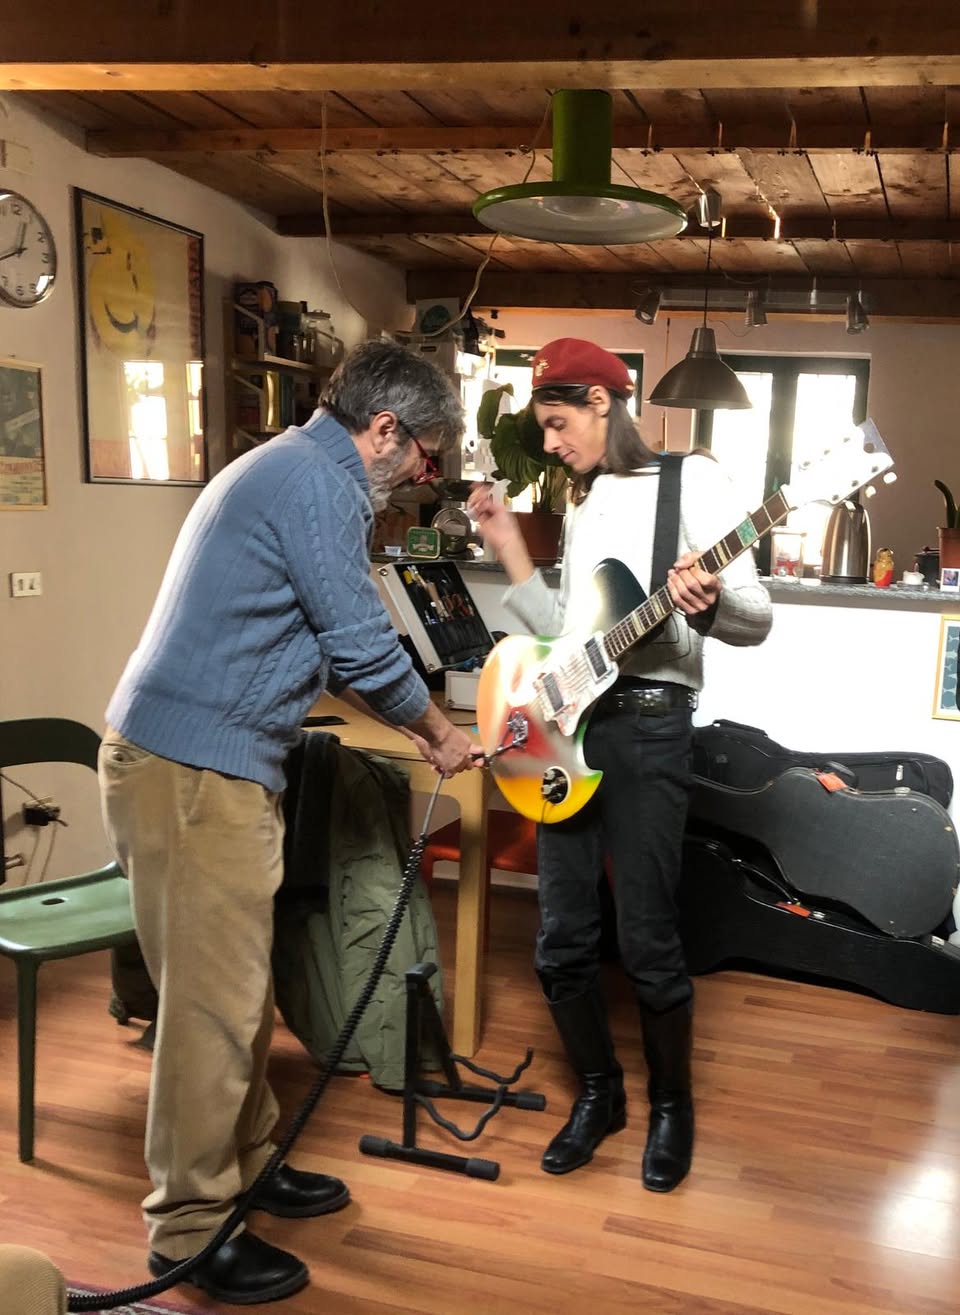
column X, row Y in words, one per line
column 638, row 735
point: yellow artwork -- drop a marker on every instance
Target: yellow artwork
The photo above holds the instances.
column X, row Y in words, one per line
column 141, row 303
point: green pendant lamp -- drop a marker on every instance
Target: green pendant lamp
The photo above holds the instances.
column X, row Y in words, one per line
column 580, row 206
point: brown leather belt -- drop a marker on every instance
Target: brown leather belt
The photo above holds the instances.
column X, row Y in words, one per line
column 651, row 700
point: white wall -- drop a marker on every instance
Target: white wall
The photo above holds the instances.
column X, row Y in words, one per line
column 102, row 548
column 914, row 394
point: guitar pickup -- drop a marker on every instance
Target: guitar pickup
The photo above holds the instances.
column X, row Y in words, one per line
column 551, row 688
column 597, row 657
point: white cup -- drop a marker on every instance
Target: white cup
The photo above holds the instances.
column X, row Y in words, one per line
column 912, row 578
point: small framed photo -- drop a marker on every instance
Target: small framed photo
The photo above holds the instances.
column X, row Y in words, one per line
column 945, row 704
column 23, row 481
column 950, row 580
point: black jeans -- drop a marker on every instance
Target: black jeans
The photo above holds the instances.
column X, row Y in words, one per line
column 637, row 817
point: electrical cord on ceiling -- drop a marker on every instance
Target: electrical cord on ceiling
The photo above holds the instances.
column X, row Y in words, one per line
column 325, row 206
column 532, row 148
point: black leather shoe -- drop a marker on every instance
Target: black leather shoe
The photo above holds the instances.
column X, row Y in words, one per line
column 293, row 1194
column 601, row 1110
column 242, row 1272
column 669, row 1148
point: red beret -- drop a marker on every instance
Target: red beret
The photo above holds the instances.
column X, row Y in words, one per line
column 572, row 361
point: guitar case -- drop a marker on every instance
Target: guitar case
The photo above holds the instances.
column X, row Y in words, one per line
column 746, row 757
column 889, row 856
column 738, row 912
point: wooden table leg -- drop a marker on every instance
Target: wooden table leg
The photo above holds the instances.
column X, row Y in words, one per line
column 472, row 791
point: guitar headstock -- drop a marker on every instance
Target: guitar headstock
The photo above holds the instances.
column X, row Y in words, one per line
column 857, row 459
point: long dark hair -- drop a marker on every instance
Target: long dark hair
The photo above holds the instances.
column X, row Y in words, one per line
column 626, row 450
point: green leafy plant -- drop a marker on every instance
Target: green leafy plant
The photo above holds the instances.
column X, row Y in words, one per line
column 952, row 521
column 516, row 444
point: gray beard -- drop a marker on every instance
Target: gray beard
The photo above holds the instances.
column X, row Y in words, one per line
column 380, row 478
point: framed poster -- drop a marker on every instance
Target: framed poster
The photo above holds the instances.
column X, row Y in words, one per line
column 945, row 692
column 140, row 290
column 23, row 476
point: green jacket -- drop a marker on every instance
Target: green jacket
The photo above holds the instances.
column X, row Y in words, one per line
column 333, row 907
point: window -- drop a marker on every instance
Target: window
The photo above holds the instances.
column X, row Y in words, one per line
column 801, row 404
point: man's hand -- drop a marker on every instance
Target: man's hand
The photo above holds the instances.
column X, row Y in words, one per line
column 456, row 753
column 692, row 588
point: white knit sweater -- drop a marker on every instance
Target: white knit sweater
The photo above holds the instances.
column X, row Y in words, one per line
column 617, row 520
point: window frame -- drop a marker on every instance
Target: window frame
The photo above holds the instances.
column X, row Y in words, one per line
column 786, row 371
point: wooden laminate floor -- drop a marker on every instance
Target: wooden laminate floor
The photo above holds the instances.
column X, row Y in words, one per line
column 826, row 1179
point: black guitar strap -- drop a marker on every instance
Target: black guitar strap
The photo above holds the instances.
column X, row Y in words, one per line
column 666, row 532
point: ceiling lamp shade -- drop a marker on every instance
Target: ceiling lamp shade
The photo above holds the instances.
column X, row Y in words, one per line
column 701, row 381
column 580, row 206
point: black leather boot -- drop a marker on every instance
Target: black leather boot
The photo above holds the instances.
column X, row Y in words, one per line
column 667, row 1045
column 601, row 1107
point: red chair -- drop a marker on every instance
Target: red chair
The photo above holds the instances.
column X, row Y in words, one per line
column 511, row 847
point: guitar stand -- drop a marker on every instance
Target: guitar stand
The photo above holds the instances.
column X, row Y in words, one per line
column 424, row 1024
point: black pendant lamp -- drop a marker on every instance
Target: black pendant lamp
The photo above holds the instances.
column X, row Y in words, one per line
column 701, row 381
column 580, row 206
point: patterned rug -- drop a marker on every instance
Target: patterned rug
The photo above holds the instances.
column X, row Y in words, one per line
column 158, row 1306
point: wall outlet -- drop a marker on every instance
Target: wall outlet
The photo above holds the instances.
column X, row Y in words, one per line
column 26, row 584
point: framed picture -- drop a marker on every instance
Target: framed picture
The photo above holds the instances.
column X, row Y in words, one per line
column 140, row 288
column 945, row 694
column 23, row 476
column 950, row 580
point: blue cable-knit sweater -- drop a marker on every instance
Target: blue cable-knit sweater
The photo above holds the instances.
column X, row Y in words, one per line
column 267, row 601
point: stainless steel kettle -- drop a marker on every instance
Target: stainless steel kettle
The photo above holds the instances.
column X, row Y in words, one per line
column 846, row 545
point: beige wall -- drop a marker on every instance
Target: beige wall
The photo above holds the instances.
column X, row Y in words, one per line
column 914, row 394
column 102, row 548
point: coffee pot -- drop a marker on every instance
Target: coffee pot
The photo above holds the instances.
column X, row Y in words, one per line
column 846, row 545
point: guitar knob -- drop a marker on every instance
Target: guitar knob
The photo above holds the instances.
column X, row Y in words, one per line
column 555, row 785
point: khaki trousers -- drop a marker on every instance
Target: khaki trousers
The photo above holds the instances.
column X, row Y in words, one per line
column 203, row 853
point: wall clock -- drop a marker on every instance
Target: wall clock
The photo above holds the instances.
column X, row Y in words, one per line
column 28, row 254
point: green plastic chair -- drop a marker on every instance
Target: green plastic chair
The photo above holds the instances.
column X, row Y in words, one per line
column 54, row 919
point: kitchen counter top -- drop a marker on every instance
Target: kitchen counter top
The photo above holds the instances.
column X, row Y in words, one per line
column 781, row 591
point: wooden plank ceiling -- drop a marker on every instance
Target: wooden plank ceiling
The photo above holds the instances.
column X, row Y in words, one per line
column 854, row 185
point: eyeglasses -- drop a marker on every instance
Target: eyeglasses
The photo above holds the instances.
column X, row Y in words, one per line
column 431, row 468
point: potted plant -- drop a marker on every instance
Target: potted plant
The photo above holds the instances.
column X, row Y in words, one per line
column 949, row 532
column 516, row 444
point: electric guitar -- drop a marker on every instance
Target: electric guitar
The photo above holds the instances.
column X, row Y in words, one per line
column 534, row 694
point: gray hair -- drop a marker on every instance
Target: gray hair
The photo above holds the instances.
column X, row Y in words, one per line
column 385, row 376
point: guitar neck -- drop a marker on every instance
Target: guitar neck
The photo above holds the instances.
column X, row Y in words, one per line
column 632, row 628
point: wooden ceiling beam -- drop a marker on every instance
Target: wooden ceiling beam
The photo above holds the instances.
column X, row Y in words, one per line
column 259, row 45
column 490, row 76
column 820, row 139
column 801, row 228
column 928, row 300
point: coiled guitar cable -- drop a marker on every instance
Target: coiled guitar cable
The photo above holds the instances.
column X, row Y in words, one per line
column 82, row 1301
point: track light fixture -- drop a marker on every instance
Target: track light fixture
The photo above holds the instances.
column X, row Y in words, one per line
column 648, row 307
column 755, row 313
column 857, row 320
column 710, row 209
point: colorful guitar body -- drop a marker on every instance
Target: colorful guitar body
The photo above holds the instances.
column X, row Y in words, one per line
column 507, row 689
column 534, row 694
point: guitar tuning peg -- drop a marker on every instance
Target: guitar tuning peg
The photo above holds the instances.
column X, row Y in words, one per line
column 869, row 491
column 890, row 477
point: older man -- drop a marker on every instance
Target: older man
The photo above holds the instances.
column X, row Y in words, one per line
column 266, row 602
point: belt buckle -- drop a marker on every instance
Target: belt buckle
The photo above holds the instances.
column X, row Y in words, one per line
column 651, row 701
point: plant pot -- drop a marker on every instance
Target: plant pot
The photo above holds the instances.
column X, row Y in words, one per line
column 949, row 547
column 541, row 533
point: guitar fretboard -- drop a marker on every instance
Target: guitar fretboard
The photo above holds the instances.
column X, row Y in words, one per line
column 632, row 628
